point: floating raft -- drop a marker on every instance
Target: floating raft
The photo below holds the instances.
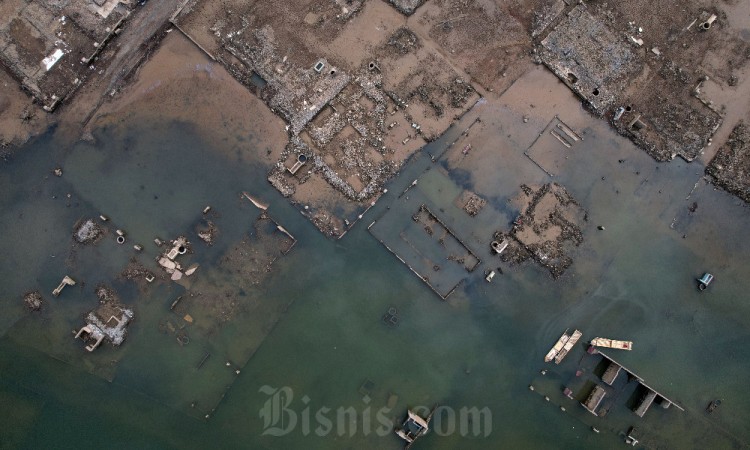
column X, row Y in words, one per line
column 611, row 343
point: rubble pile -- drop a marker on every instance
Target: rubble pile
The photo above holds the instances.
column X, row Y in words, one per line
column 404, row 41
column 349, row 8
column 135, row 270
column 350, row 127
column 640, row 72
column 208, row 232
column 33, row 300
column 474, row 204
column 548, row 226
column 87, row 232
column 297, row 94
column 406, row 7
column 435, row 92
column 107, row 322
column 592, row 59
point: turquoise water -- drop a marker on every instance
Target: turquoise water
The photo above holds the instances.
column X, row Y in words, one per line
column 314, row 325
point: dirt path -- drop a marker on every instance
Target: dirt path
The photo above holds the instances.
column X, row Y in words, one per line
column 140, row 36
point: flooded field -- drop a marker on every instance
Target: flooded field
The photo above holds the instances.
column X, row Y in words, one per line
column 313, row 323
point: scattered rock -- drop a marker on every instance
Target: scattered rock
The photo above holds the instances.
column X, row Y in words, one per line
column 208, row 233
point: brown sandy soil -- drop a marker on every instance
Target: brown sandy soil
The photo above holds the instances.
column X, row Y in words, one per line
column 116, row 65
column 537, row 97
column 427, row 83
column 108, row 73
column 205, row 20
column 370, row 28
column 19, row 117
column 178, row 79
column 489, row 40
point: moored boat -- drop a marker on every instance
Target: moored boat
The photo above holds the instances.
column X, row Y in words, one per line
column 612, row 343
column 557, row 347
column 568, row 346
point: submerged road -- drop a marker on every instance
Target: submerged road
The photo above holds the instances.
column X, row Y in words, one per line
column 131, row 48
column 144, row 23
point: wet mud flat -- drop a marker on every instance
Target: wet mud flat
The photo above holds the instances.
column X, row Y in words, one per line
column 490, row 41
column 730, row 168
column 19, row 117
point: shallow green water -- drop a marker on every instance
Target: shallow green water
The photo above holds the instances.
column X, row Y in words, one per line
column 482, row 348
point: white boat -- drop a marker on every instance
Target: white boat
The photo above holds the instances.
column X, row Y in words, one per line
column 557, row 347
column 568, row 346
column 612, row 343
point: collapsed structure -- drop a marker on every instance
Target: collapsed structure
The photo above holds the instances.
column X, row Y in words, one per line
column 546, row 229
column 352, row 122
column 107, row 322
column 49, row 47
column 640, row 80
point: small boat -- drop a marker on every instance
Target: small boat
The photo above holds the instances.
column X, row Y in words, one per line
column 557, row 347
column 704, row 281
column 612, row 343
column 568, row 346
